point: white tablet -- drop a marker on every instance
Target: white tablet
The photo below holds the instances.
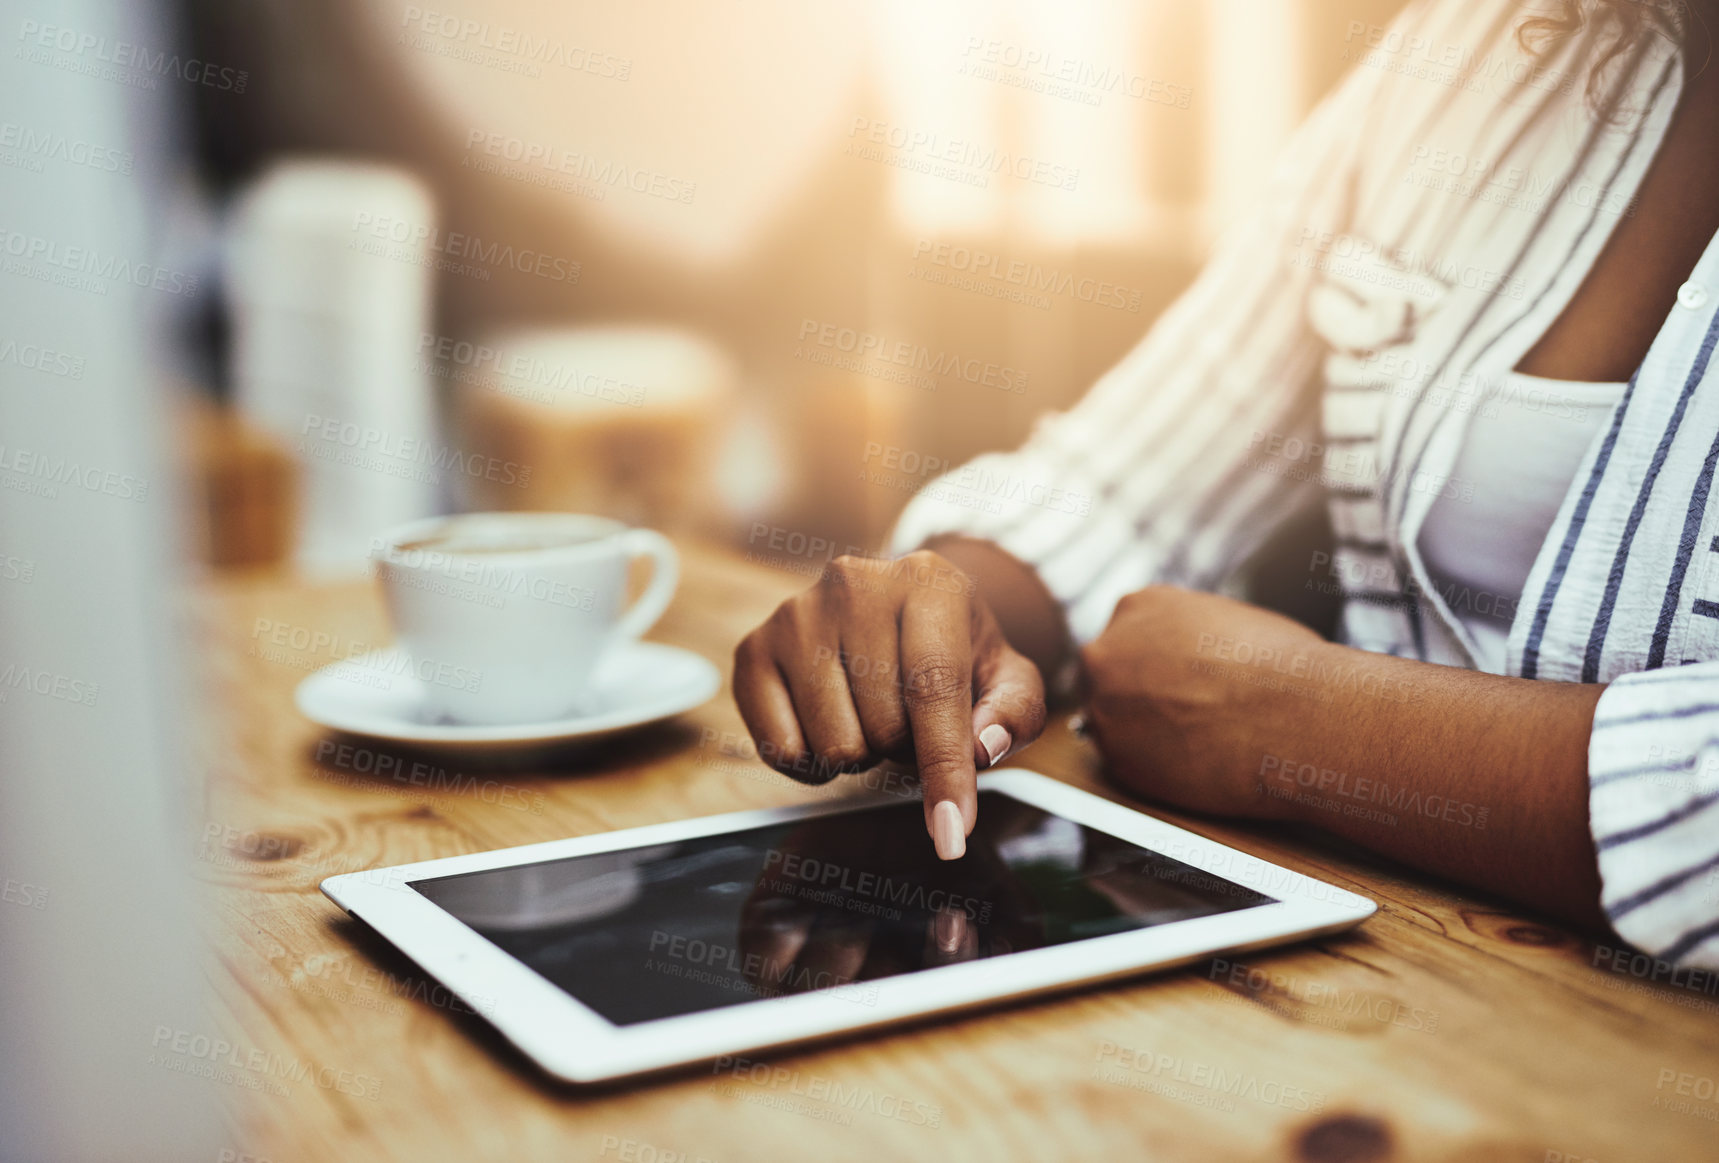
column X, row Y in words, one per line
column 625, row 952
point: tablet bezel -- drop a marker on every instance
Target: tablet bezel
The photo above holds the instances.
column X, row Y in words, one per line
column 573, row 1043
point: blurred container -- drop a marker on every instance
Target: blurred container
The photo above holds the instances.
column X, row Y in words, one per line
column 246, row 486
column 626, row 422
column 329, row 268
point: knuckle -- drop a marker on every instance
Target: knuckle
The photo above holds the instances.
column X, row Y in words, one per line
column 839, row 757
column 782, row 617
column 1118, row 760
column 776, row 754
column 937, row 771
column 792, row 762
column 928, row 569
column 748, row 652
column 1095, row 657
column 808, row 769
column 1101, row 669
column 889, row 735
column 1144, row 600
column 794, row 620
column 1098, row 726
column 894, row 740
column 936, row 679
column 847, row 580
column 846, row 566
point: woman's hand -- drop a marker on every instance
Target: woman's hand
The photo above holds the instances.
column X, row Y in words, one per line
column 1183, row 691
column 1218, row 706
column 890, row 660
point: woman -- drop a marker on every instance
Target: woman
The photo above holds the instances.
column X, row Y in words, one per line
column 1498, row 219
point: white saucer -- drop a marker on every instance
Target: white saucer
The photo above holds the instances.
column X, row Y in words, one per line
column 377, row 696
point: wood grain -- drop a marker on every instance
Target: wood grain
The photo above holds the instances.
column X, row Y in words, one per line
column 1448, row 1027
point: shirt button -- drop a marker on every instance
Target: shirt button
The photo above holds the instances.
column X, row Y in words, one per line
column 1692, row 294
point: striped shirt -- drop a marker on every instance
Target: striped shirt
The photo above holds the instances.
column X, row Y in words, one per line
column 1428, row 224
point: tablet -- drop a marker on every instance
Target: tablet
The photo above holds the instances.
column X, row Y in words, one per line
column 626, row 952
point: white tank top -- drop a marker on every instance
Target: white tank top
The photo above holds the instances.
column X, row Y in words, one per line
column 1520, row 455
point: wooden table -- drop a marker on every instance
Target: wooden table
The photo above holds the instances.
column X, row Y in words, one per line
column 1447, row 1027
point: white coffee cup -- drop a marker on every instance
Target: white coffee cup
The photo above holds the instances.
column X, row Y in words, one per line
column 505, row 617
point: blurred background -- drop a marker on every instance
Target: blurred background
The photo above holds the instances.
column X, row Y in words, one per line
column 700, row 266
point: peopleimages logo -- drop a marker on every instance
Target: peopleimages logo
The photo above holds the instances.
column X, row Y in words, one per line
column 43, row 145
column 697, row 960
column 1047, row 71
column 984, row 268
column 350, row 759
column 979, row 161
column 49, row 684
column 528, row 47
column 469, row 247
column 100, row 50
column 971, row 485
column 394, row 451
column 1399, row 267
column 223, row 1056
column 25, row 470
column 551, row 160
column 520, row 373
column 849, row 1100
column 86, row 260
column 483, row 578
column 863, row 346
column 1145, row 1070
column 35, row 357
column 828, row 874
column 1447, row 63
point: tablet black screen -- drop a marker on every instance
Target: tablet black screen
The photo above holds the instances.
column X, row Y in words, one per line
column 832, row 902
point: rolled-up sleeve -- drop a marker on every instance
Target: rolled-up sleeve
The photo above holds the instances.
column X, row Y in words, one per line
column 1653, row 774
column 1182, row 459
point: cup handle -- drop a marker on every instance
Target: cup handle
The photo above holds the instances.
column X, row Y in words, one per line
column 665, row 575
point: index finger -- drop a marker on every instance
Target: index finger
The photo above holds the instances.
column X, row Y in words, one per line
column 937, row 686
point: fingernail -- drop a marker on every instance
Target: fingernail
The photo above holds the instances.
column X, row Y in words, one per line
column 947, row 832
column 951, row 926
column 995, row 739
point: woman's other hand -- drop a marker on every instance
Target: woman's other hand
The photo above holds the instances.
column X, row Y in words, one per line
column 1184, row 691
column 890, row 659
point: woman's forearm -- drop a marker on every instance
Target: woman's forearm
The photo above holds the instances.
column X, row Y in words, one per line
column 1474, row 776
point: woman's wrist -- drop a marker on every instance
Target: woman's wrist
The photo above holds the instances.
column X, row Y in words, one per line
column 1302, row 724
column 1031, row 620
